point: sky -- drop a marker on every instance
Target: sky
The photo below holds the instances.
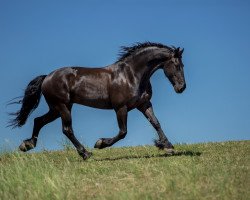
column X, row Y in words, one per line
column 37, row 37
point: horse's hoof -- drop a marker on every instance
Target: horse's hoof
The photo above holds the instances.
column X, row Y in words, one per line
column 163, row 144
column 22, row 147
column 98, row 144
column 26, row 146
column 169, row 151
column 86, row 155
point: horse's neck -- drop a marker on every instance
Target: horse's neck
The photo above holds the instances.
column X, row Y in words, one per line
column 146, row 69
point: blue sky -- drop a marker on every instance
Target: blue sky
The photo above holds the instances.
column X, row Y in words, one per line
column 37, row 37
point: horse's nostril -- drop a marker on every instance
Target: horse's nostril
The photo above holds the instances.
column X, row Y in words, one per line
column 183, row 87
column 180, row 88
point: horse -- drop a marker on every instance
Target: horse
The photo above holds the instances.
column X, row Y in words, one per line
column 121, row 86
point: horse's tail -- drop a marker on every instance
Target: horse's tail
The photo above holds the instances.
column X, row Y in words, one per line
column 29, row 102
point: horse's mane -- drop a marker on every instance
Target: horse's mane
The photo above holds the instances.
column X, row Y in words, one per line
column 128, row 51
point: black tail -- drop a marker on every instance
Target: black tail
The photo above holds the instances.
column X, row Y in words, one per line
column 29, row 102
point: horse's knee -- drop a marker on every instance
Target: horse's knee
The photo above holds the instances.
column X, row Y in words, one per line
column 156, row 124
column 67, row 131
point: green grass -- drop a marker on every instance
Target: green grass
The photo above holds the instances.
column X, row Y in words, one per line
column 198, row 171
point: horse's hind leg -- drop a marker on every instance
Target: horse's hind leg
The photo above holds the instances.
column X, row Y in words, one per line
column 65, row 112
column 39, row 122
column 121, row 114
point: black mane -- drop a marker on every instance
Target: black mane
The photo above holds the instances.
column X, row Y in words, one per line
column 128, row 51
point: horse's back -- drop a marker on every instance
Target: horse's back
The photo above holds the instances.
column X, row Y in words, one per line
column 86, row 86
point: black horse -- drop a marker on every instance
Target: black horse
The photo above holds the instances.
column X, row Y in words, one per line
column 122, row 86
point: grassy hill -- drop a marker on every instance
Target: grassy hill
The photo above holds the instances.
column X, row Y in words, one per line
column 198, row 171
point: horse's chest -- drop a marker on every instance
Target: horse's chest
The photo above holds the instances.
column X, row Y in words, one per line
column 138, row 100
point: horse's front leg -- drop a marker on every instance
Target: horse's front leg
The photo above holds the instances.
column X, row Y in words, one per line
column 121, row 114
column 163, row 142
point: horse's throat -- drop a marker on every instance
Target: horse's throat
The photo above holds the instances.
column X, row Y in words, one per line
column 145, row 79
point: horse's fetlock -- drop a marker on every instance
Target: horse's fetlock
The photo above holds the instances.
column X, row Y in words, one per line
column 81, row 151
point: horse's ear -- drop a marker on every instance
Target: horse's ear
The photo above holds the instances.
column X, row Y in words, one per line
column 181, row 51
column 177, row 52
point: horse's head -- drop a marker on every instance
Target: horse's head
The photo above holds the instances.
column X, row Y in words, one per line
column 173, row 69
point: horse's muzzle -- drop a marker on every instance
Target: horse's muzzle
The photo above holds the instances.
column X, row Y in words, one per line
column 180, row 88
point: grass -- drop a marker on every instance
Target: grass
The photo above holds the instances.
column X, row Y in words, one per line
column 198, row 171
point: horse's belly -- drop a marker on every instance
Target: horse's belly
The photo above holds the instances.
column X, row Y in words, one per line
column 93, row 97
column 95, row 103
